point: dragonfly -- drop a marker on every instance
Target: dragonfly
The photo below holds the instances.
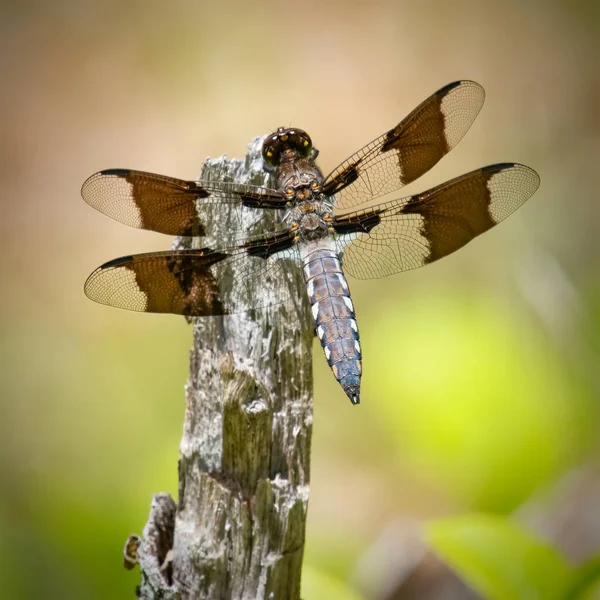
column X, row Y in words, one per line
column 345, row 223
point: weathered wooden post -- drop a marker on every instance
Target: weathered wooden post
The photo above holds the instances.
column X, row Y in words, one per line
column 237, row 530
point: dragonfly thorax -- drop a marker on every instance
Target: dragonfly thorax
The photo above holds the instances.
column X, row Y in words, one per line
column 310, row 211
column 297, row 176
column 311, row 222
column 311, row 219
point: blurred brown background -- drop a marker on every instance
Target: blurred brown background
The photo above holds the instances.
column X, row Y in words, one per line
column 481, row 381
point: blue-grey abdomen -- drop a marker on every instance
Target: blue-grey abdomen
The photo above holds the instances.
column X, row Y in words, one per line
column 334, row 316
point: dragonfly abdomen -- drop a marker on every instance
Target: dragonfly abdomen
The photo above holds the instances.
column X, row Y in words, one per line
column 335, row 321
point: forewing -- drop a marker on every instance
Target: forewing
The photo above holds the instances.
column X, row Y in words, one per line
column 200, row 282
column 173, row 206
column 411, row 232
column 410, row 149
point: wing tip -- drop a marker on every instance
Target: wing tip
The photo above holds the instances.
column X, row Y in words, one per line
column 444, row 91
column 448, row 88
column 102, row 287
column 105, row 172
column 534, row 176
column 111, row 264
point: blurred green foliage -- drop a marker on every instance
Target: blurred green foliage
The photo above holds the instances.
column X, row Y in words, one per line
column 502, row 561
column 317, row 583
column 478, row 401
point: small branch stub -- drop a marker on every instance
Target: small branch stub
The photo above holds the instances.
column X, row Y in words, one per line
column 238, row 530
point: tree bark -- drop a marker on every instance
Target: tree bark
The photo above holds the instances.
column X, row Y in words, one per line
column 237, row 531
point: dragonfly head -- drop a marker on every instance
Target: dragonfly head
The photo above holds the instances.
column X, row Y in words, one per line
column 286, row 144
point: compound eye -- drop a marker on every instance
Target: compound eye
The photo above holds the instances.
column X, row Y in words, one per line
column 305, row 145
column 268, row 156
column 269, row 150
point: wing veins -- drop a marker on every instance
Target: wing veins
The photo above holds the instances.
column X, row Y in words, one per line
column 410, row 232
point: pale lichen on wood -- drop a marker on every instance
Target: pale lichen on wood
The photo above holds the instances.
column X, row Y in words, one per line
column 244, row 468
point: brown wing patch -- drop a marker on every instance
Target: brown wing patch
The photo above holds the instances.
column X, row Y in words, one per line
column 456, row 216
column 179, row 282
column 168, row 205
column 200, row 282
column 420, row 139
column 146, row 201
column 420, row 229
column 408, row 150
